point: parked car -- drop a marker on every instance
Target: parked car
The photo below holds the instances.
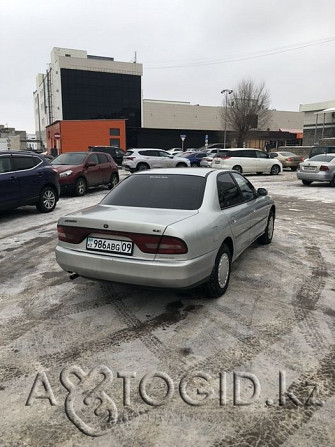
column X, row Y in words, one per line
column 196, row 157
column 287, row 159
column 141, row 159
column 115, row 152
column 246, row 161
column 316, row 150
column 320, row 168
column 172, row 228
column 26, row 178
column 79, row 171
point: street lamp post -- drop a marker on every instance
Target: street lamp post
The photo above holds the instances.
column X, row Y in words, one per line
column 226, row 92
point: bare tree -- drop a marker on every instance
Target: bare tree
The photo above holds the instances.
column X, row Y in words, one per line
column 246, row 108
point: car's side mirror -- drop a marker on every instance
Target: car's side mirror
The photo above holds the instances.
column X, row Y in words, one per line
column 262, row 192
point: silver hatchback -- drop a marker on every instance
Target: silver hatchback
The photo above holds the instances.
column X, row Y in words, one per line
column 172, row 228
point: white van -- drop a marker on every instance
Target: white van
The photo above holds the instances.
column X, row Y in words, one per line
column 246, row 161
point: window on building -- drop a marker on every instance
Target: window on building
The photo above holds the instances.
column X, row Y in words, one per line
column 114, row 131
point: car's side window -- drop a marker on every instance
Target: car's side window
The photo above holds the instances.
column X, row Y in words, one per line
column 5, row 164
column 228, row 192
column 163, row 154
column 102, row 158
column 93, row 158
column 247, row 190
column 261, row 154
column 22, row 163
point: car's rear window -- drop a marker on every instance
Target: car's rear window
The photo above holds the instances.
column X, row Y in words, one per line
column 168, row 191
column 70, row 158
column 323, row 157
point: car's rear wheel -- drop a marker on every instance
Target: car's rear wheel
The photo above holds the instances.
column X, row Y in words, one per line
column 294, row 168
column 219, row 279
column 47, row 201
column 80, row 187
column 332, row 182
column 194, row 165
column 237, row 168
column 181, row 165
column 275, row 170
column 113, row 181
column 307, row 182
column 266, row 238
column 142, row 166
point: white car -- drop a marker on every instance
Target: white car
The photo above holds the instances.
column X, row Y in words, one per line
column 246, row 161
column 174, row 150
column 142, row 159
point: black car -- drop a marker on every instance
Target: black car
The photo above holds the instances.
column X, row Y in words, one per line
column 26, row 178
column 115, row 152
column 317, row 150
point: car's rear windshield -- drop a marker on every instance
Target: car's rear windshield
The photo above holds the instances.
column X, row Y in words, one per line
column 168, row 191
column 70, row 158
column 323, row 157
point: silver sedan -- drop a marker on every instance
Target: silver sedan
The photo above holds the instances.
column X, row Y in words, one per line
column 320, row 168
column 172, row 228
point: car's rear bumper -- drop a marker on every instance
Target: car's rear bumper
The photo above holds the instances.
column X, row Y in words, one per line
column 169, row 273
column 321, row 176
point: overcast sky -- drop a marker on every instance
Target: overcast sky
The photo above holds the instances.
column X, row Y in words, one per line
column 190, row 49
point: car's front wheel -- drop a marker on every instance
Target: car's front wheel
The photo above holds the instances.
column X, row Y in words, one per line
column 219, row 279
column 113, row 181
column 194, row 165
column 47, row 201
column 306, row 182
column 181, row 165
column 266, row 238
column 80, row 187
column 275, row 170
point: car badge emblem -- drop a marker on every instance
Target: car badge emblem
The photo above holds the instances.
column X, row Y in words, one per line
column 105, row 226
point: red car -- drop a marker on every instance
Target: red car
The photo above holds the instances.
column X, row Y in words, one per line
column 79, row 171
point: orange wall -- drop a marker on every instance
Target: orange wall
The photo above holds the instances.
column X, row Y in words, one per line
column 79, row 135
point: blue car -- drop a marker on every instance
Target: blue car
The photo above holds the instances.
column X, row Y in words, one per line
column 26, row 178
column 196, row 157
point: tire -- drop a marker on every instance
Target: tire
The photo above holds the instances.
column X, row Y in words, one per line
column 113, row 181
column 266, row 238
column 142, row 167
column 332, row 182
column 237, row 168
column 306, row 182
column 218, row 281
column 194, row 165
column 47, row 200
column 80, row 187
column 275, row 170
column 181, row 165
column 294, row 168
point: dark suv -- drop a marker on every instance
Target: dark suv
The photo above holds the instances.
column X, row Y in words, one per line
column 115, row 152
column 317, row 150
column 81, row 170
column 27, row 178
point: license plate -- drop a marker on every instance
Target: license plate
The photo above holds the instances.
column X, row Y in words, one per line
column 217, row 161
column 309, row 168
column 109, row 246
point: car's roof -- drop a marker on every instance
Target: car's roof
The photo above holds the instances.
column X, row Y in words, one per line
column 200, row 172
column 20, row 152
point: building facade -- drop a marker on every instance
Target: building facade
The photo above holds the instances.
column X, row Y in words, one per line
column 78, row 86
column 319, row 122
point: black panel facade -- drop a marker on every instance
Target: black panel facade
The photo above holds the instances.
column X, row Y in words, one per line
column 97, row 95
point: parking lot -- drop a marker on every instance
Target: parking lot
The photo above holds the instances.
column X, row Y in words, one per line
column 272, row 333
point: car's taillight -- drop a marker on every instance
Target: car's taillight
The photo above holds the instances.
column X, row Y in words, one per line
column 130, row 158
column 145, row 242
column 324, row 168
column 289, row 159
column 72, row 235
